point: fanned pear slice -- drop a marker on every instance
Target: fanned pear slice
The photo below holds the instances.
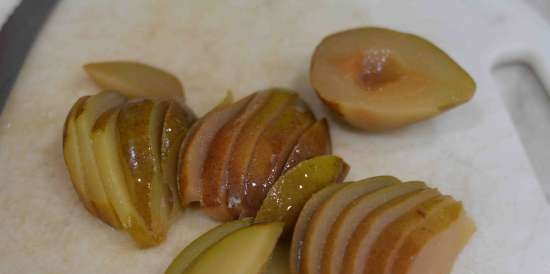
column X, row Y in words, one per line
column 292, row 190
column 176, row 123
column 378, row 79
column 350, row 218
column 386, row 247
column 106, row 145
column 270, row 154
column 373, row 223
column 135, row 79
column 314, row 142
column 245, row 251
column 246, row 142
column 300, row 228
column 71, row 153
column 93, row 107
column 202, row 243
column 140, row 127
column 194, row 150
column 434, row 246
column 214, row 174
column 327, row 213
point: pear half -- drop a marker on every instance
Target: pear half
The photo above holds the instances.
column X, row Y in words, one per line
column 379, row 79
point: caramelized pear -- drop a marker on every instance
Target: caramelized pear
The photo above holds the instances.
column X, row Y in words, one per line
column 245, row 251
column 214, row 174
column 434, row 246
column 92, row 108
column 386, row 247
column 194, row 150
column 327, row 213
column 135, row 79
column 378, row 79
column 202, row 243
column 270, row 154
column 352, row 216
column 71, row 153
column 140, row 127
column 106, row 144
column 176, row 123
column 246, row 142
column 314, row 142
column 292, row 190
column 374, row 222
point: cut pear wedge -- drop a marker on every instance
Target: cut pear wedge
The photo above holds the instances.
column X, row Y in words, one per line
column 135, row 79
column 245, row 251
column 92, row 108
column 177, row 122
column 71, row 153
column 205, row 241
column 140, row 127
column 300, row 228
column 105, row 142
column 194, row 150
column 214, row 174
column 385, row 248
column 314, row 142
column 292, row 190
column 374, row 222
column 352, row 216
column 326, row 215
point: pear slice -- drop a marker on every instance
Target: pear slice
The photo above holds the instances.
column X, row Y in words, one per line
column 176, row 123
column 326, row 214
column 71, row 154
column 350, row 218
column 314, row 142
column 300, row 228
column 292, row 190
column 135, row 79
column 106, row 145
column 434, row 246
column 194, row 150
column 378, row 79
column 92, row 108
column 270, row 154
column 386, row 247
column 246, row 142
column 373, row 223
column 245, row 251
column 279, row 260
column 202, row 243
column 140, row 127
column 214, row 174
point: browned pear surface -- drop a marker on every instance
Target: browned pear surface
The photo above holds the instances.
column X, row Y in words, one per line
column 176, row 123
column 92, row 108
column 195, row 148
column 71, row 154
column 270, row 154
column 140, row 127
column 215, row 175
column 379, row 79
column 314, row 142
column 350, row 218
column 326, row 214
column 106, row 146
column 434, row 246
column 300, row 228
column 246, row 142
column 372, row 224
column 386, row 247
column 135, row 79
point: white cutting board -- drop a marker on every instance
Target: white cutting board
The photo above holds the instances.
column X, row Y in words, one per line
column 471, row 152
